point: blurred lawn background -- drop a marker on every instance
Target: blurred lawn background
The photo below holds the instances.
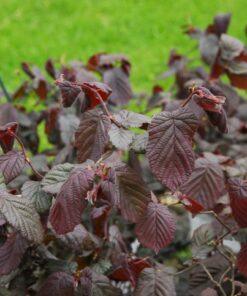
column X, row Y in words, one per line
column 144, row 30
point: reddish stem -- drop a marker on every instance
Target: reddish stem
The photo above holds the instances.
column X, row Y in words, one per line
column 187, row 100
column 25, row 155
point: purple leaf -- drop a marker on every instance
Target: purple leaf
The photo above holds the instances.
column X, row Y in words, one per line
column 206, row 183
column 11, row 165
column 237, row 189
column 58, row 284
column 156, row 282
column 6, row 136
column 11, row 253
column 118, row 81
column 91, row 136
column 155, row 230
column 70, row 202
column 169, row 148
column 219, row 120
column 242, row 260
column 134, row 194
column 69, row 92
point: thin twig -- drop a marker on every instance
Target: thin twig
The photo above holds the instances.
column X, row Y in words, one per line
column 224, row 274
column 187, row 100
column 229, row 259
column 223, row 236
column 8, row 97
column 25, row 155
column 212, row 279
column 218, row 218
column 232, row 279
column 183, row 270
column 231, row 268
column 103, row 104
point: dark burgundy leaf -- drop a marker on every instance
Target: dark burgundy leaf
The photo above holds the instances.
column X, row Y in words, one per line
column 118, row 81
column 242, row 260
column 21, row 90
column 109, row 189
column 129, row 270
column 169, row 148
column 134, row 195
column 237, row 189
column 239, row 81
column 11, row 165
column 69, row 92
column 50, row 68
column 99, row 217
column 26, row 68
column 52, row 119
column 191, row 205
column 209, row 102
column 6, row 136
column 217, row 69
column 221, row 23
column 155, row 230
column 11, row 253
column 41, row 88
column 94, row 61
column 58, row 284
column 70, row 202
column 206, row 184
column 157, row 89
column 155, row 282
column 219, row 120
column 68, row 73
column 93, row 90
column 232, row 97
column 91, row 136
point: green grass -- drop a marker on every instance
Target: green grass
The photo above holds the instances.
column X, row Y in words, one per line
column 145, row 30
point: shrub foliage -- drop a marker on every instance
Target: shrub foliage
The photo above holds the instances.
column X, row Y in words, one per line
column 101, row 210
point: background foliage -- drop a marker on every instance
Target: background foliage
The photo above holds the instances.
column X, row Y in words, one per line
column 143, row 30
